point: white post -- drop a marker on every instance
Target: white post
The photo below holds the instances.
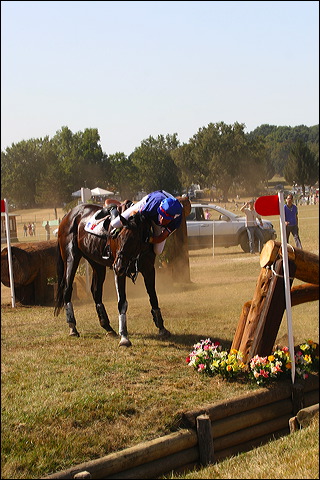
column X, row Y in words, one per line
column 85, row 195
column 287, row 283
column 212, row 238
column 6, row 214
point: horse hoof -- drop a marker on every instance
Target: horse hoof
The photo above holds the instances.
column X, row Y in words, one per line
column 125, row 342
column 74, row 333
column 164, row 333
column 111, row 333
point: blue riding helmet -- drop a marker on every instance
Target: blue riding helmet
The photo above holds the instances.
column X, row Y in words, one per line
column 170, row 208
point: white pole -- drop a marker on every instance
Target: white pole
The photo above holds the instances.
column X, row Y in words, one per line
column 6, row 214
column 287, row 283
column 84, row 198
column 213, row 238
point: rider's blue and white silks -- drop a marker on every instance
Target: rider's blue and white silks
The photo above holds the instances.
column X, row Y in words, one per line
column 149, row 205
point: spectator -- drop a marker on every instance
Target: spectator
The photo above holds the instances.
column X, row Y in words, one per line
column 207, row 214
column 47, row 228
column 30, row 229
column 291, row 220
column 251, row 225
column 25, row 230
column 33, row 228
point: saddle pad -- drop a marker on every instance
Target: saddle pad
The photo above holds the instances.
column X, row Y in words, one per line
column 93, row 227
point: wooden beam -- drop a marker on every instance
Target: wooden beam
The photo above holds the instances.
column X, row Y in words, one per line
column 307, row 263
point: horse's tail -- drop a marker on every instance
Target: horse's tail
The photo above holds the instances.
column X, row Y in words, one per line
column 59, row 303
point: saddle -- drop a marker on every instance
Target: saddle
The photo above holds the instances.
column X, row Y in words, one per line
column 99, row 223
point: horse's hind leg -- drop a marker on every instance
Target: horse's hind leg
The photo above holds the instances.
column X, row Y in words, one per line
column 98, row 277
column 71, row 268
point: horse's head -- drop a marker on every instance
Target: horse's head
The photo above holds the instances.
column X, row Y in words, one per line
column 130, row 241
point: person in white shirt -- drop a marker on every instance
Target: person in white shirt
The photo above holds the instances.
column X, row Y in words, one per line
column 251, row 224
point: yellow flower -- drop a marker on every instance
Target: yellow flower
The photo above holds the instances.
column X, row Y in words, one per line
column 288, row 366
column 229, row 367
column 271, row 358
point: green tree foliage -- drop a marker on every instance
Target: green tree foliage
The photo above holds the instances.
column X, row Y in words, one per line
column 22, row 164
column 302, row 166
column 279, row 141
column 80, row 157
column 154, row 163
column 46, row 172
column 51, row 188
column 122, row 175
column 222, row 155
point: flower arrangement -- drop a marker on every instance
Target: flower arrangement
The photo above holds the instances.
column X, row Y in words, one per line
column 208, row 357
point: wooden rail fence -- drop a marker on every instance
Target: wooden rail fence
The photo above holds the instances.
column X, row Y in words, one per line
column 208, row 434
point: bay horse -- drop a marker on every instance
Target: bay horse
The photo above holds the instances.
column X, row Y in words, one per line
column 131, row 253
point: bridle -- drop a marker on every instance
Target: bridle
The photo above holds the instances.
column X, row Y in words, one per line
column 131, row 261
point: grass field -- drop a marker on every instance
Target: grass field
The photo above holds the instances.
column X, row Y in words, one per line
column 66, row 400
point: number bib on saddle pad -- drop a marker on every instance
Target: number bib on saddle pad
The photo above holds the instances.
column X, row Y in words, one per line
column 99, row 229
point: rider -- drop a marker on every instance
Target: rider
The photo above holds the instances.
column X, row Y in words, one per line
column 164, row 211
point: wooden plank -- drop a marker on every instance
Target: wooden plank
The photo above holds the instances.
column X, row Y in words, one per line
column 247, row 419
column 266, row 312
column 271, row 314
column 247, row 434
column 134, row 456
column 241, row 326
column 249, row 445
column 243, row 403
column 159, row 467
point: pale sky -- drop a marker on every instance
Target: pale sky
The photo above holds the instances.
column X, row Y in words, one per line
column 135, row 69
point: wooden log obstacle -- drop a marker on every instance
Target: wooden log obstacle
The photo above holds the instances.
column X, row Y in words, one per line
column 261, row 317
column 206, row 435
column 32, row 264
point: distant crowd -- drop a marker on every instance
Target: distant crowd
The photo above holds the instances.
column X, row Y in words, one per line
column 29, row 229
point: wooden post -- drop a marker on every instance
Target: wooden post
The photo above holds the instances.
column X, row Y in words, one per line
column 205, row 440
column 307, row 263
column 297, row 397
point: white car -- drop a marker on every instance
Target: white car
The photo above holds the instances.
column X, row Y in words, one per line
column 229, row 228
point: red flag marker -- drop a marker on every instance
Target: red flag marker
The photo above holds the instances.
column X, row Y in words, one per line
column 267, row 205
column 3, row 206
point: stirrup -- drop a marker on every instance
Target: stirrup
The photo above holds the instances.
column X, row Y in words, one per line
column 106, row 254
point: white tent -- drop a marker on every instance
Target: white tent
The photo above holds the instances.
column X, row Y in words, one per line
column 76, row 194
column 100, row 192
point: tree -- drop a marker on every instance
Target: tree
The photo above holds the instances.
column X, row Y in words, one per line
column 21, row 167
column 302, row 166
column 51, row 188
column 155, row 166
column 122, row 175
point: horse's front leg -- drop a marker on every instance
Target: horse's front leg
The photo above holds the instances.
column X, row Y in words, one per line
column 120, row 282
column 149, row 276
column 98, row 277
